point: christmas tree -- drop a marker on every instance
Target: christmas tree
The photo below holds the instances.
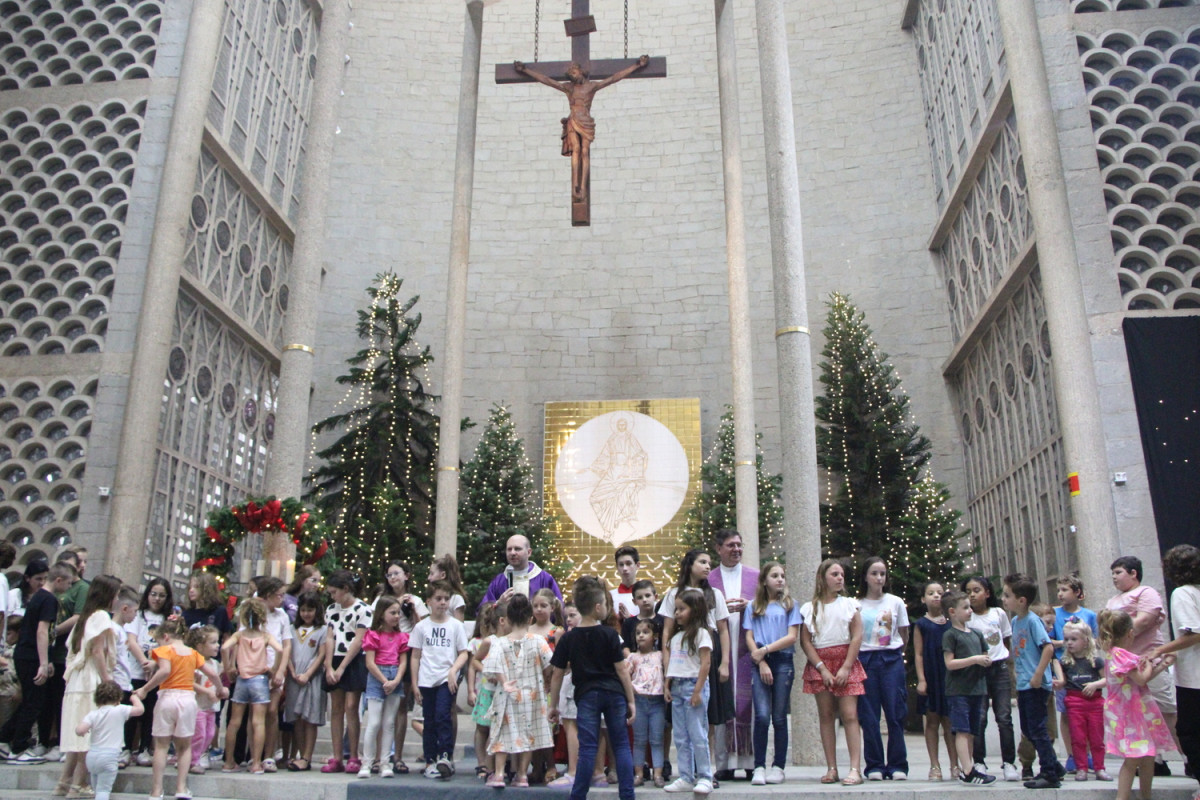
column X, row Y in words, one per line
column 716, row 502
column 375, row 484
column 498, row 499
column 881, row 499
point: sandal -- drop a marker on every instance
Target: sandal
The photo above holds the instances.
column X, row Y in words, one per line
column 831, row 776
column 853, row 778
column 294, row 765
column 481, row 772
column 60, row 789
column 269, row 765
column 494, row 781
column 400, row 768
column 523, row 783
column 935, row 773
column 234, row 768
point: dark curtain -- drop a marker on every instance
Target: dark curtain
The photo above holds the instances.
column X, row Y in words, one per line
column 1164, row 363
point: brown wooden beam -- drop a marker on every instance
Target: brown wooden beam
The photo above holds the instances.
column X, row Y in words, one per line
column 601, row 69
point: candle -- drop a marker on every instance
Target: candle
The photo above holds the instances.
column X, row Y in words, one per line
column 291, row 570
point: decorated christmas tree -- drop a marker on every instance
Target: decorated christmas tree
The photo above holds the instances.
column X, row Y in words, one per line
column 716, row 502
column 498, row 499
column 881, row 499
column 375, row 482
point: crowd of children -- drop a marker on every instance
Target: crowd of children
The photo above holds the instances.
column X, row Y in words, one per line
column 143, row 679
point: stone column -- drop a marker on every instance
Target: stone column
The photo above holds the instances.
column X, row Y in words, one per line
column 446, row 527
column 797, row 423
column 1075, row 386
column 289, row 449
column 745, row 452
column 138, row 440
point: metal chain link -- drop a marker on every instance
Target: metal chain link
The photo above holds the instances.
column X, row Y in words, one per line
column 537, row 27
column 626, row 28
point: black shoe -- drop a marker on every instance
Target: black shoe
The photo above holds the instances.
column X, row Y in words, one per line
column 723, row 775
column 647, row 774
column 666, row 770
column 1026, row 773
column 1161, row 770
column 976, row 778
column 1044, row 781
column 749, row 774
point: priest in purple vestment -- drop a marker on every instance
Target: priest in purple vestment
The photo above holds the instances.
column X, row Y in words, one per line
column 734, row 742
column 521, row 576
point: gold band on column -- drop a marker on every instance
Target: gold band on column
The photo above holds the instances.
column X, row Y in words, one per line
column 302, row 347
column 447, row 469
column 791, row 329
column 745, row 463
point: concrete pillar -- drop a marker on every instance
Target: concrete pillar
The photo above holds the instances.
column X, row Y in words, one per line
column 745, row 452
column 1075, row 386
column 289, row 449
column 136, row 450
column 802, row 521
column 446, row 526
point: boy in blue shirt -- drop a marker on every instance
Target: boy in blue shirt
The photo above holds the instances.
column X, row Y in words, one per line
column 1032, row 653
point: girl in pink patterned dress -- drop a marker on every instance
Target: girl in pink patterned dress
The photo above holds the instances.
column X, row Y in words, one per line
column 1134, row 728
column 519, row 663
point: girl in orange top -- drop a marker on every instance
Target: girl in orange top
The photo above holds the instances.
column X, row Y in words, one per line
column 175, row 711
column 245, row 655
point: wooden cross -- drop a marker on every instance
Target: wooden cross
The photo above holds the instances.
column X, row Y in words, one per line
column 579, row 79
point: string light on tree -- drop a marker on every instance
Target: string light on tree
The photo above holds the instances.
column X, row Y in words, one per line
column 881, row 499
column 716, row 502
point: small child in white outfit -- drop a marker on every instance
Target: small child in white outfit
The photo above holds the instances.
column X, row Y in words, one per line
column 107, row 726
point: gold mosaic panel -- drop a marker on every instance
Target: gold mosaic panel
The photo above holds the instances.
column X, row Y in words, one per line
column 621, row 472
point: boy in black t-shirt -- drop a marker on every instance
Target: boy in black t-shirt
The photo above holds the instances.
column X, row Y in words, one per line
column 594, row 654
column 644, row 597
column 32, row 657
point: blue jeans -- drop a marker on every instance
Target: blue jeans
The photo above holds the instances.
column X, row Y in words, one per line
column 438, row 737
column 612, row 707
column 691, row 730
column 886, row 696
column 1031, row 705
column 771, row 707
column 648, row 725
column 999, row 690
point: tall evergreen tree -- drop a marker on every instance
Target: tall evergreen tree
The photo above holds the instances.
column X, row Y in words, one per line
column 716, row 502
column 878, row 501
column 498, row 499
column 375, row 482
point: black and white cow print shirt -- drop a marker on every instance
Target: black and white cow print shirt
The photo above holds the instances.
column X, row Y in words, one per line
column 344, row 624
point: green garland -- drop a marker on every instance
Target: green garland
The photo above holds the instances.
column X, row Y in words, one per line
column 260, row 515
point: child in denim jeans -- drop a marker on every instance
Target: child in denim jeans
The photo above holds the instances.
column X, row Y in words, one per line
column 687, row 686
column 772, row 628
column 646, row 673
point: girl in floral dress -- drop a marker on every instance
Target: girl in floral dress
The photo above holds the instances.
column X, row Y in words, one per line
column 1134, row 728
column 520, row 664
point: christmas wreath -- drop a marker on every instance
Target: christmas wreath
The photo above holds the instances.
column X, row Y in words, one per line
column 228, row 526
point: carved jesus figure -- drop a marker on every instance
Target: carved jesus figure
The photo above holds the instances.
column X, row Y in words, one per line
column 579, row 129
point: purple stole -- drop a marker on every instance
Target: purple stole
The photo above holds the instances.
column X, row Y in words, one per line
column 743, row 698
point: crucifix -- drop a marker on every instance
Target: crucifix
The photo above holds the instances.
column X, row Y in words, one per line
column 579, row 79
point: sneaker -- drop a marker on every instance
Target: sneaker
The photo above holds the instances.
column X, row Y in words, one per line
column 431, row 771
column 40, row 750
column 1102, row 775
column 1044, row 781
column 561, row 782
column 1161, row 770
column 981, row 768
column 1081, row 775
column 444, row 766
column 680, row 784
column 205, row 762
column 386, row 771
column 144, row 759
column 124, row 759
column 364, row 771
column 775, row 775
column 875, row 775
column 703, row 786
column 55, row 754
column 1070, row 765
column 899, row 775
column 760, row 777
column 977, row 778
column 1011, row 773
column 1026, row 772
column 27, row 757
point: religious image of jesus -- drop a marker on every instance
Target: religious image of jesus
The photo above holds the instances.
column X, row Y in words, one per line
column 621, row 466
column 579, row 129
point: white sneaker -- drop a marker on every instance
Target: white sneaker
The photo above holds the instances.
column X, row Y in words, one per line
column 899, row 775
column 55, row 754
column 431, row 771
column 205, row 762
column 760, row 777
column 385, row 770
column 444, row 767
column 981, row 768
column 124, row 759
column 874, row 775
column 1011, row 773
column 365, row 771
column 27, row 757
column 775, row 775
column 703, row 786
column 144, row 759
column 38, row 750
column 680, row 784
